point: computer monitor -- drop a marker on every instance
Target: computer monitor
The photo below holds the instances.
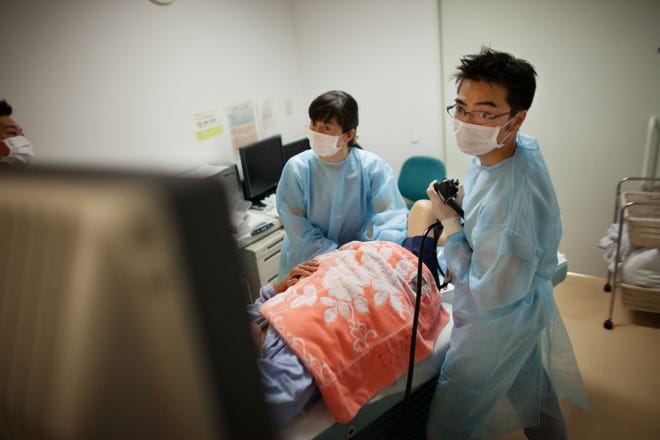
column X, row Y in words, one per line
column 262, row 165
column 122, row 313
column 226, row 174
column 292, row 148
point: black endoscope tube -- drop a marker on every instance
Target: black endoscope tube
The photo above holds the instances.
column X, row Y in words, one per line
column 413, row 337
column 452, row 202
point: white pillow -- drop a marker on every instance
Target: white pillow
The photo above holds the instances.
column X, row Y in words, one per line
column 642, row 268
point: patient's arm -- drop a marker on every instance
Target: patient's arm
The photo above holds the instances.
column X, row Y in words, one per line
column 299, row 271
column 258, row 324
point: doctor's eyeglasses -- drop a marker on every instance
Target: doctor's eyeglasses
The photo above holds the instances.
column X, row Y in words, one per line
column 478, row 117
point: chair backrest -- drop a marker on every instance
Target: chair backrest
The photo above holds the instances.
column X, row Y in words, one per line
column 416, row 174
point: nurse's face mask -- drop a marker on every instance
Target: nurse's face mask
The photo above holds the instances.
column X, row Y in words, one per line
column 324, row 145
column 20, row 151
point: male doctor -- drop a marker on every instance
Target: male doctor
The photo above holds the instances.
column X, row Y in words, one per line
column 15, row 150
column 510, row 356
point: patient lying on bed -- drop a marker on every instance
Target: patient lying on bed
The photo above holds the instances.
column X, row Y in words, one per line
column 340, row 324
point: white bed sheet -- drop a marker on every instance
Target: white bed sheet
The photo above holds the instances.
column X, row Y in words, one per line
column 317, row 417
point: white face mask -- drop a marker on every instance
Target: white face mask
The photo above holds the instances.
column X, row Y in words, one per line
column 322, row 144
column 20, row 151
column 477, row 140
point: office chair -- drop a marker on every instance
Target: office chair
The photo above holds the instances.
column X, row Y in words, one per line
column 416, row 174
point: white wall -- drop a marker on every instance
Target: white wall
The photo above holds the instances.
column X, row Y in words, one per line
column 117, row 82
column 599, row 69
column 386, row 54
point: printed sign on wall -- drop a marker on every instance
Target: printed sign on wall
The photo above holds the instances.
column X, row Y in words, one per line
column 206, row 125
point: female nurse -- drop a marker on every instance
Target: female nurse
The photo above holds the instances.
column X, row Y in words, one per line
column 336, row 192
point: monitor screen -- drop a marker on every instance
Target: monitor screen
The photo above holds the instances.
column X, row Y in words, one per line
column 262, row 164
column 292, row 148
column 122, row 311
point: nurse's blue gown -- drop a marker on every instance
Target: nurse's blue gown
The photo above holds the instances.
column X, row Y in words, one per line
column 324, row 205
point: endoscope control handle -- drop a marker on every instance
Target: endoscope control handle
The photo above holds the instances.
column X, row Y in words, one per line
column 447, row 190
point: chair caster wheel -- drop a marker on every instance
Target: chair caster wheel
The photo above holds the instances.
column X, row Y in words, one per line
column 608, row 324
column 608, row 287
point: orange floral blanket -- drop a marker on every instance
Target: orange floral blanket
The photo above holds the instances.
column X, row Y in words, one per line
column 350, row 322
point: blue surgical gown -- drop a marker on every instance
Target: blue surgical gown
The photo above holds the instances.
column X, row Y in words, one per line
column 507, row 328
column 324, row 205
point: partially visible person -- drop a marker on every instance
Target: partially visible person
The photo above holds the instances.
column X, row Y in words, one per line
column 510, row 357
column 340, row 284
column 15, row 150
column 336, row 192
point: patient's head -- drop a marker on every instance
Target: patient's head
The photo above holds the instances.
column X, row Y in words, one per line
column 15, row 149
column 8, row 127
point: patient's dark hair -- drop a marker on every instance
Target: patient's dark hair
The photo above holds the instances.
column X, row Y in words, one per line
column 339, row 105
column 5, row 108
column 516, row 75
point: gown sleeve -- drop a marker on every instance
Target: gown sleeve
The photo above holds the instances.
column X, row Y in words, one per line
column 389, row 218
column 498, row 271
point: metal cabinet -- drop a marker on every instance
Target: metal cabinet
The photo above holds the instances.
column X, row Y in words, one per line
column 261, row 261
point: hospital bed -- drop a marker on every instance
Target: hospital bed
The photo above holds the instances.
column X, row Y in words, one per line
column 377, row 418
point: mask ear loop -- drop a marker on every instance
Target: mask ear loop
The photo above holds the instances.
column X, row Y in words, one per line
column 351, row 142
column 501, row 144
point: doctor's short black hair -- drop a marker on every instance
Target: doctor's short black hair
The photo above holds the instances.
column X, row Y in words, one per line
column 5, row 108
column 516, row 75
column 339, row 105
